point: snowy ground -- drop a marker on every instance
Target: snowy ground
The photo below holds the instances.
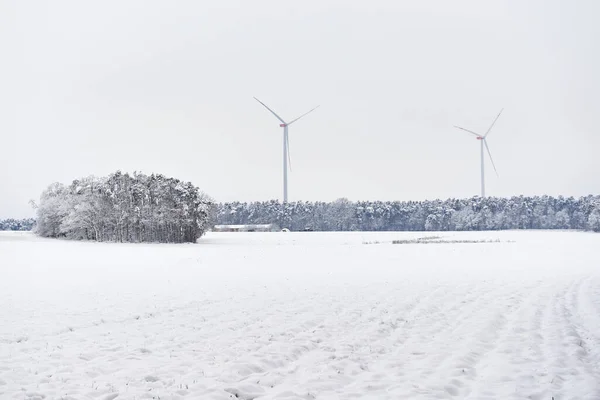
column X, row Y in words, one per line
column 302, row 316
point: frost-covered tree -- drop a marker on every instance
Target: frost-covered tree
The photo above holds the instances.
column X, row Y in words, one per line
column 594, row 218
column 52, row 209
column 562, row 220
column 340, row 215
column 125, row 208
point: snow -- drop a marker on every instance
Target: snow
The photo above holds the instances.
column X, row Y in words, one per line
column 302, row 316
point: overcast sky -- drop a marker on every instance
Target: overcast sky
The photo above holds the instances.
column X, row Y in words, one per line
column 87, row 88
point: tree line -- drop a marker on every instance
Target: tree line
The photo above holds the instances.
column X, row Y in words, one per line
column 142, row 215
column 474, row 214
column 125, row 208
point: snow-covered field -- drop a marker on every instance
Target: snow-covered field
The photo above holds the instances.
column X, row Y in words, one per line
column 302, row 316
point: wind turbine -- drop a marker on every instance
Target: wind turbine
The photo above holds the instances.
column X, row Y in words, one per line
column 483, row 141
column 286, row 145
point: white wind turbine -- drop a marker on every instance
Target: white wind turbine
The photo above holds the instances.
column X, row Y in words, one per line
column 483, row 140
column 286, row 145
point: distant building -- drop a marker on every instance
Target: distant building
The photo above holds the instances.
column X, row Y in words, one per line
column 246, row 228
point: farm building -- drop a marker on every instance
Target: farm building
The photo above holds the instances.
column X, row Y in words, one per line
column 246, row 228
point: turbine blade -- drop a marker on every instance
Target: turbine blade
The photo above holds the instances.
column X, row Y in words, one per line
column 272, row 112
column 287, row 145
column 466, row 130
column 490, row 154
column 306, row 113
column 493, row 123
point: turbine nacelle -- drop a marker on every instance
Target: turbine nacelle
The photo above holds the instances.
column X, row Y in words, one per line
column 283, row 125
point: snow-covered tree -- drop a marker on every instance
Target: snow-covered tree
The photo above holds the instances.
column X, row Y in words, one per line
column 594, row 219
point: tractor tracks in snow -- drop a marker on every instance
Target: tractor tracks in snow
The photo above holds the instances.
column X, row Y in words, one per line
column 468, row 340
column 546, row 350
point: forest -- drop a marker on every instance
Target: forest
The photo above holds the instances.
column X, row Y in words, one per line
column 474, row 214
column 125, row 208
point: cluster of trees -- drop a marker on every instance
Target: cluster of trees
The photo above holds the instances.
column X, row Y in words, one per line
column 125, row 208
column 11, row 224
column 540, row 212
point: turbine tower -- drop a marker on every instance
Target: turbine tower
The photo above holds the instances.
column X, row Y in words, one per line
column 286, row 146
column 483, row 142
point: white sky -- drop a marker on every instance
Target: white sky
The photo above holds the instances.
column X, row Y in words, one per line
column 167, row 86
